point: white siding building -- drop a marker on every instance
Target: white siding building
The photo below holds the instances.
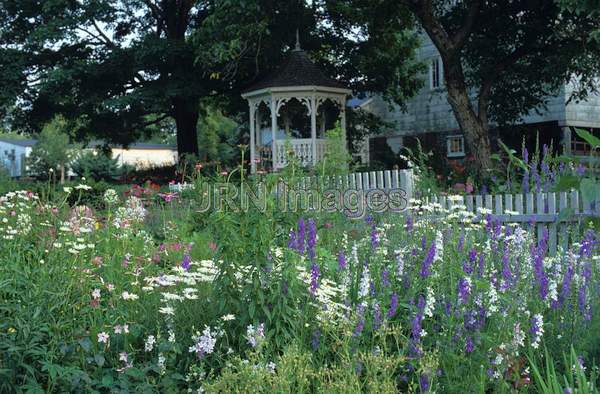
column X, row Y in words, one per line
column 139, row 155
column 13, row 154
column 429, row 113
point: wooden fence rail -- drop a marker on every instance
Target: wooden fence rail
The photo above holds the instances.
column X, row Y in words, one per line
column 552, row 212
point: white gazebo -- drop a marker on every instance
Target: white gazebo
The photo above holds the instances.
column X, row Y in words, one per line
column 290, row 110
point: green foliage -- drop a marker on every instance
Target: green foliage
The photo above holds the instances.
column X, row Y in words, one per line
column 575, row 378
column 52, row 153
column 98, row 166
column 336, row 159
column 218, row 137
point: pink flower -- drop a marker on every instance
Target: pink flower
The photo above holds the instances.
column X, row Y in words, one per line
column 212, row 246
column 168, row 197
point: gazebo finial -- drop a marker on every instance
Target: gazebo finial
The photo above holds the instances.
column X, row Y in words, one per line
column 297, row 48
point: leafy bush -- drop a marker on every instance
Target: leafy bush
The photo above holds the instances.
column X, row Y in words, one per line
column 98, row 166
column 51, row 155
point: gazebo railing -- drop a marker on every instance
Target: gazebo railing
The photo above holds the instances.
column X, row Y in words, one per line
column 302, row 148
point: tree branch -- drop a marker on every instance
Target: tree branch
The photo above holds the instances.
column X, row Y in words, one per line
column 485, row 89
column 155, row 121
column 105, row 38
column 461, row 35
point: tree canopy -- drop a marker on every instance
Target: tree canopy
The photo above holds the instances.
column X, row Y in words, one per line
column 117, row 68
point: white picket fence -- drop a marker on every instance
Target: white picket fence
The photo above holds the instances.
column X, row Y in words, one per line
column 552, row 212
column 365, row 181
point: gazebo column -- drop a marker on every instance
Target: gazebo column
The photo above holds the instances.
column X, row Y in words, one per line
column 273, row 129
column 252, row 138
column 313, row 128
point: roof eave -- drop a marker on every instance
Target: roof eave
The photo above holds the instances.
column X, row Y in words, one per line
column 302, row 88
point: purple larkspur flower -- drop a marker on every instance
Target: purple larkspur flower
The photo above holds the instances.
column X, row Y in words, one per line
column 537, row 179
column 461, row 242
column 566, row 284
column 316, row 339
column 312, row 239
column 292, row 240
column 360, row 325
column 464, row 290
column 525, row 184
column 385, row 277
column 426, row 266
column 393, row 306
column 424, row 382
column 525, row 155
column 374, row 237
column 377, row 317
column 538, row 254
column 580, row 170
column 469, row 265
column 469, row 345
column 186, row 262
column 342, row 264
column 481, row 265
column 409, row 224
column 418, row 319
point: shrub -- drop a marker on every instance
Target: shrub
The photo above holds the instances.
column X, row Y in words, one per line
column 99, row 166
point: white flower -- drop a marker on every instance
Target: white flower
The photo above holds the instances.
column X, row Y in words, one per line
column 103, row 337
column 161, row 363
column 83, row 187
column 205, row 343
column 430, row 303
column 129, row 296
column 111, row 196
column 228, row 317
column 120, row 329
column 149, row 344
column 255, row 336
column 96, row 294
column 167, row 310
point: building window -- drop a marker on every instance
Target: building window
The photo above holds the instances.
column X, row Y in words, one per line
column 455, row 145
column 435, row 73
column 579, row 146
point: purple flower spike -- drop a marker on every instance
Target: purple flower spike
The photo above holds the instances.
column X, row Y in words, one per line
column 312, row 239
column 186, row 262
column 342, row 264
column 426, row 266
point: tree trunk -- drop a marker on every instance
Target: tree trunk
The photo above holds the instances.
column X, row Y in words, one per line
column 476, row 131
column 186, row 119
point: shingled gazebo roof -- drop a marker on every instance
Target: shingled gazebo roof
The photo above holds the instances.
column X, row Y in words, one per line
column 296, row 70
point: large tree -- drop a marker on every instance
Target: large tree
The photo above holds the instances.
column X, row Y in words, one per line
column 117, row 68
column 501, row 59
column 120, row 66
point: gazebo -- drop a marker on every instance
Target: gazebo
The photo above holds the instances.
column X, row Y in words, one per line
column 302, row 103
